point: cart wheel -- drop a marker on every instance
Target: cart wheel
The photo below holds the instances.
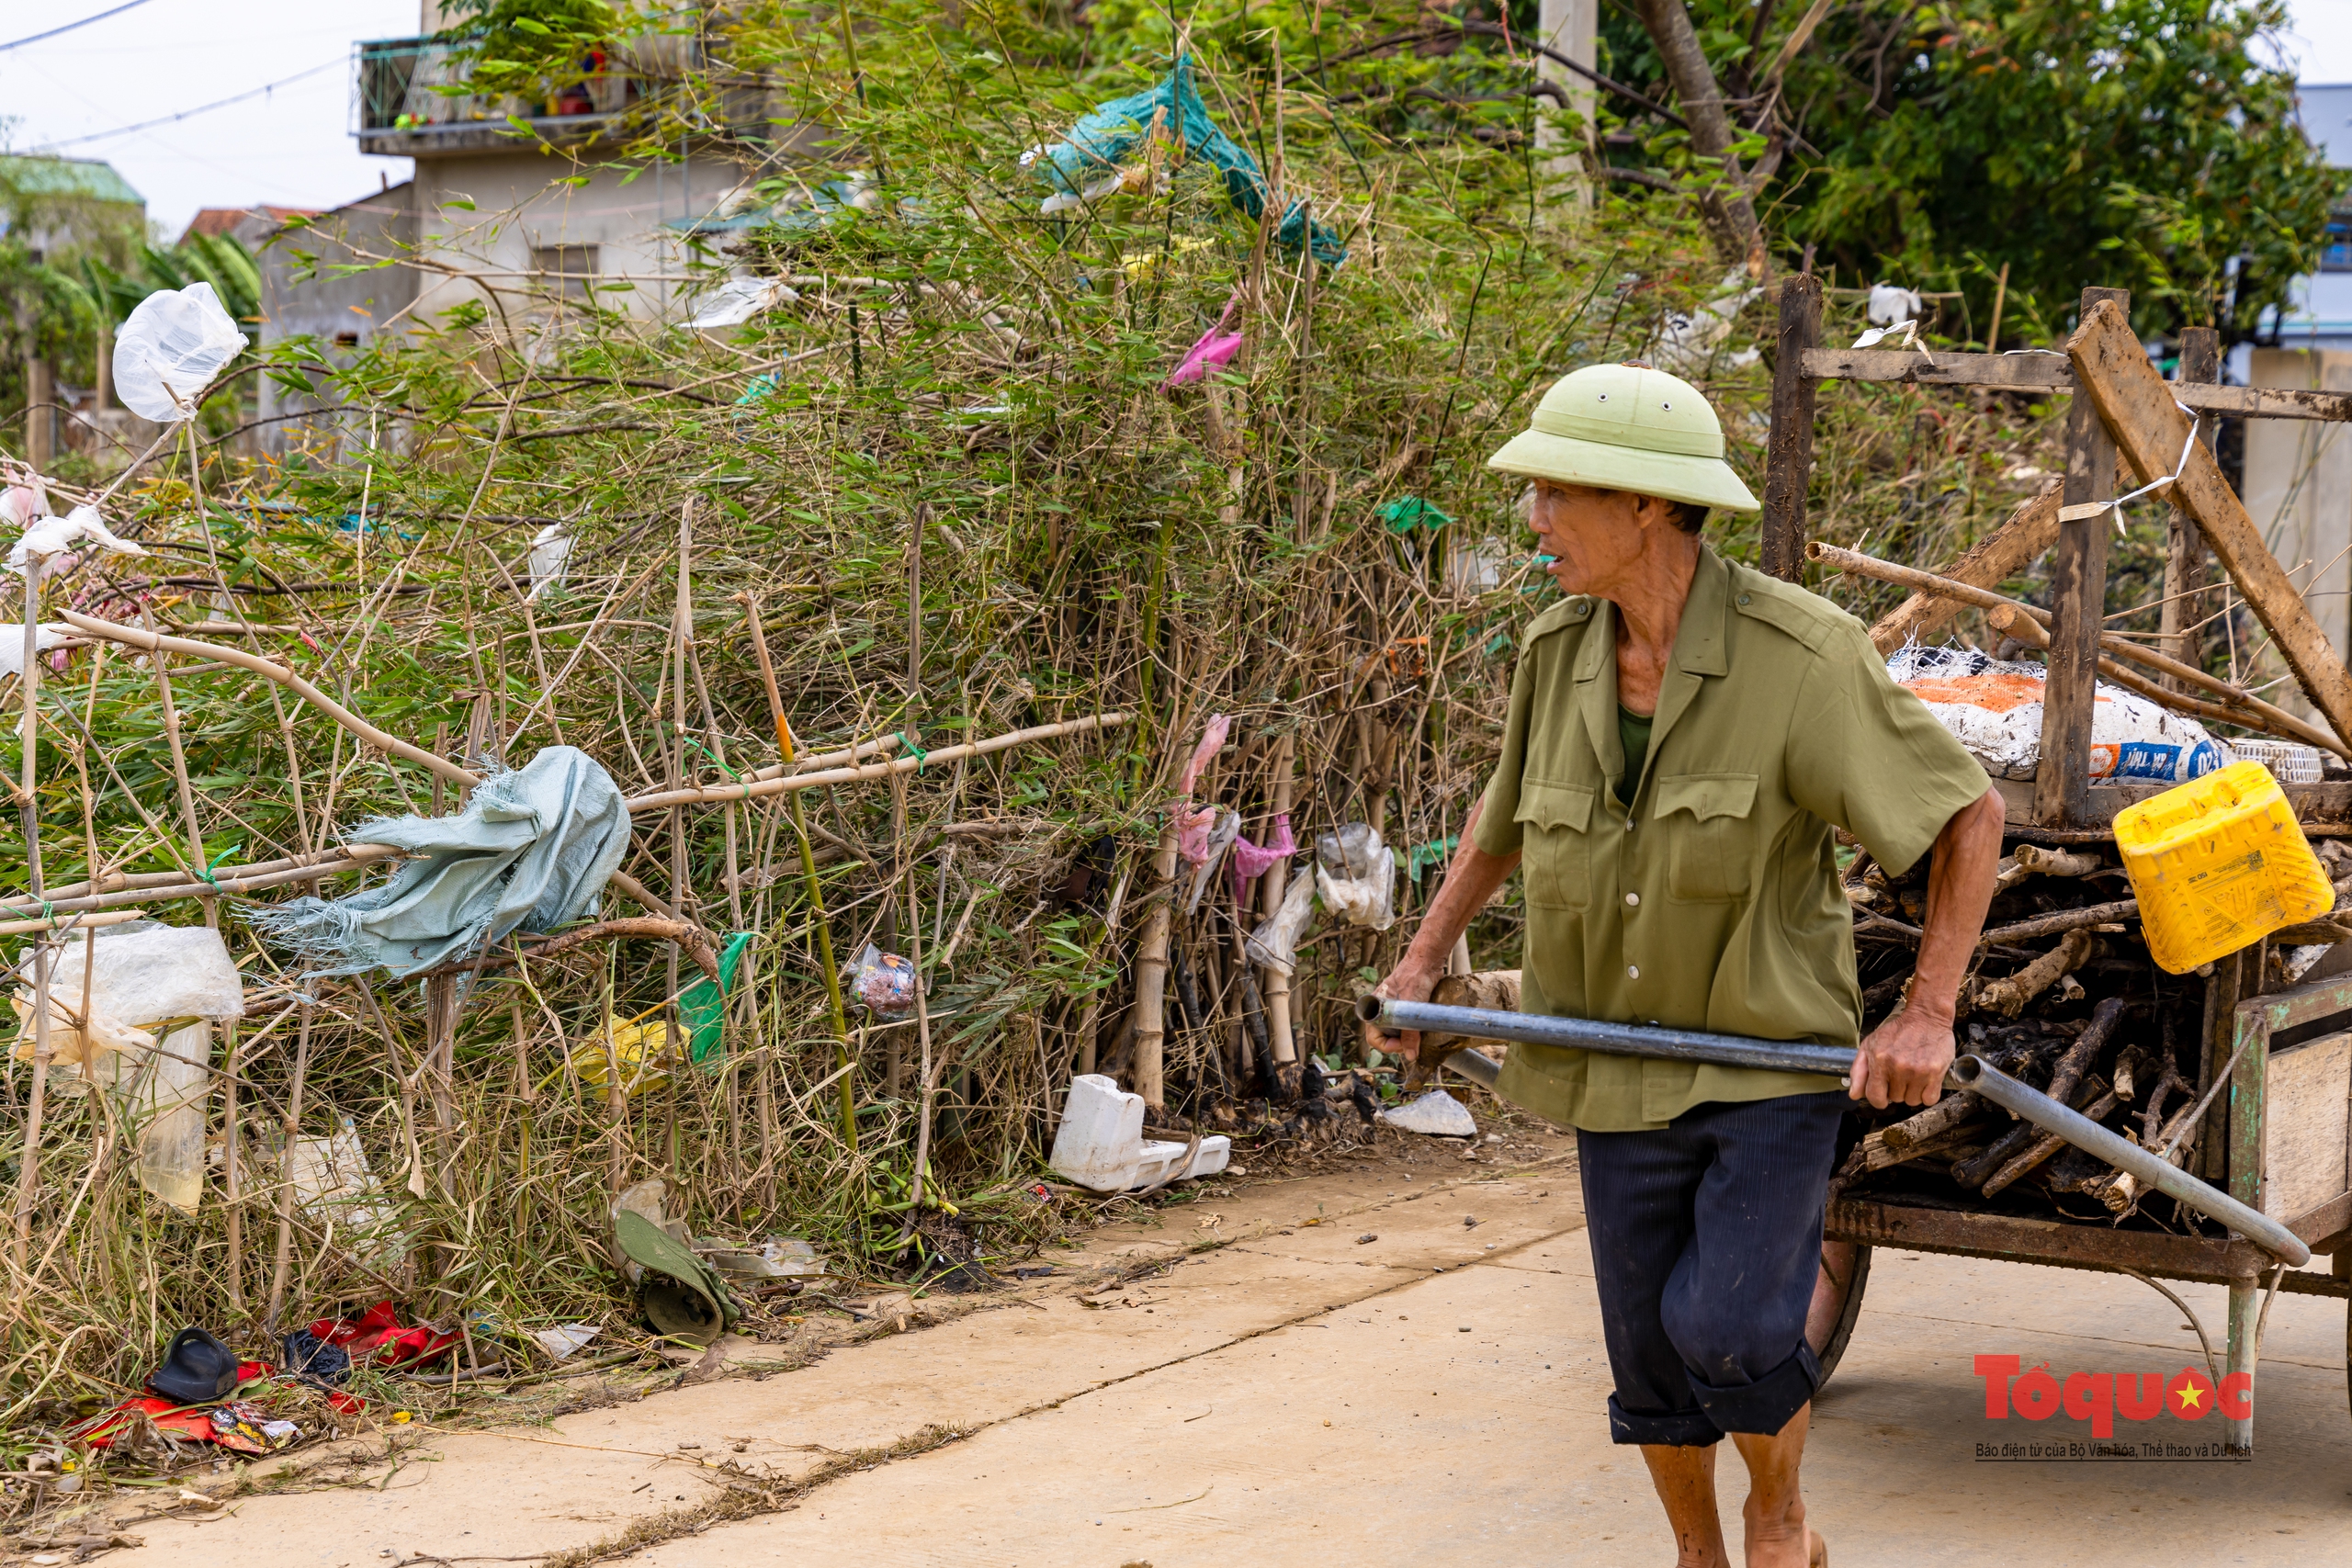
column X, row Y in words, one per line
column 1833, row 1331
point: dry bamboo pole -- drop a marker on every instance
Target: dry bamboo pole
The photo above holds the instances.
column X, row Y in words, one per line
column 293, row 1128
column 1276, row 986
column 615, row 1093
column 28, row 691
column 1151, row 973
column 842, row 1056
column 928, row 1086
column 179, row 770
column 2236, row 706
column 232, row 1184
column 754, row 787
column 149, row 641
column 316, row 864
column 682, row 632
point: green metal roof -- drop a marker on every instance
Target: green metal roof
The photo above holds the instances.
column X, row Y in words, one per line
column 93, row 178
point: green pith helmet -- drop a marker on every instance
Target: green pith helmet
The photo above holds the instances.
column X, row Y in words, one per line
column 1627, row 427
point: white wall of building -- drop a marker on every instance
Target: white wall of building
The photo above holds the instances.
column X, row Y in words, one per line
column 510, row 220
column 2299, row 491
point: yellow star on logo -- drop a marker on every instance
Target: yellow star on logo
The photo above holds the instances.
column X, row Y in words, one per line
column 2191, row 1396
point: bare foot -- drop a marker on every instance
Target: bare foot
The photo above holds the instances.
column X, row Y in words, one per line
column 1784, row 1542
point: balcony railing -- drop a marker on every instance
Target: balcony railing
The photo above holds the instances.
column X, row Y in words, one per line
column 404, row 92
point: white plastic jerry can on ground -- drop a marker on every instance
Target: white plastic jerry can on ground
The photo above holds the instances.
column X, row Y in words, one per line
column 1100, row 1143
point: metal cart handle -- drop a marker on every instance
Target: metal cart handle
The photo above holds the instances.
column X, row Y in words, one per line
column 1970, row 1073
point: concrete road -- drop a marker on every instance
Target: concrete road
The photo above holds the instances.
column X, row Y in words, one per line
column 1301, row 1395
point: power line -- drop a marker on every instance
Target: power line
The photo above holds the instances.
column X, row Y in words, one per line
column 118, row 10
column 184, row 113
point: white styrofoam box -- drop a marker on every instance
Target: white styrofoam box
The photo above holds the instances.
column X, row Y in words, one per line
column 1100, row 1144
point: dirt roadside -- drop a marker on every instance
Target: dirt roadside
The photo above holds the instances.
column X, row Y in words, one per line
column 1381, row 1362
column 775, row 1421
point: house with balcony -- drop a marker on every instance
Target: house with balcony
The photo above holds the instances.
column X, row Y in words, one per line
column 511, row 204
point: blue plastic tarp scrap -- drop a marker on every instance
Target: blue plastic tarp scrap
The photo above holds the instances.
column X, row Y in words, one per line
column 531, row 851
column 1101, row 139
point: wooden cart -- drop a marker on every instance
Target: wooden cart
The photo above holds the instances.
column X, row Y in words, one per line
column 2280, row 1138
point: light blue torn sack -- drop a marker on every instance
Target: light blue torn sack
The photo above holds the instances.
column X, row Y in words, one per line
column 531, row 851
column 1084, row 166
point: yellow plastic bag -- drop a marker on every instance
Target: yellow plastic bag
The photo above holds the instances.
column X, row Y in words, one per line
column 644, row 1051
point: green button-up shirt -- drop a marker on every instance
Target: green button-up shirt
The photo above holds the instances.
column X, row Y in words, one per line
column 1713, row 901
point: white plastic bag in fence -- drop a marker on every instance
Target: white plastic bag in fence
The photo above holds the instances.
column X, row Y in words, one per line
column 1357, row 875
column 146, row 975
column 738, row 299
column 11, row 645
column 1225, row 828
column 1891, row 304
column 170, row 349
column 1274, row 944
column 550, row 558
column 1994, row 710
column 48, row 537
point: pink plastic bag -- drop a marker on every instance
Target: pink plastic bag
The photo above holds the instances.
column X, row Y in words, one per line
column 1221, row 725
column 1214, row 351
column 1250, row 862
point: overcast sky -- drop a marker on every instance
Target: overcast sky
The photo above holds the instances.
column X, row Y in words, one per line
column 292, row 145
column 2319, row 41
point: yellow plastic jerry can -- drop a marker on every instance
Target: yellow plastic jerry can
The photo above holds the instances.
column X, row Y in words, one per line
column 2218, row 863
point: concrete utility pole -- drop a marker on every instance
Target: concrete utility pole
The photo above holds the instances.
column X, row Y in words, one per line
column 1567, row 26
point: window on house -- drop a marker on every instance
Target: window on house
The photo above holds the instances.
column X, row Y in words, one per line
column 2336, row 242
column 565, row 269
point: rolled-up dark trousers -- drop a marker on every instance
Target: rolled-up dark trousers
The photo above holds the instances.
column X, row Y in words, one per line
column 1706, row 1242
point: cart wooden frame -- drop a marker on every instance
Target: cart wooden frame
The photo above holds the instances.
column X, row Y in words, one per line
column 2280, row 1138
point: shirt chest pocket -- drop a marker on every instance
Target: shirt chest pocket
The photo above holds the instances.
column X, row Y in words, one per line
column 1709, row 820
column 1556, row 853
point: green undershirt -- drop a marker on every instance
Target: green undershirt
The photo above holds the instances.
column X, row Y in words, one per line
column 1634, row 740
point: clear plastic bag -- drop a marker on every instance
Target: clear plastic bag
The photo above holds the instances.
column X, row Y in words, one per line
column 1222, row 831
column 146, row 973
column 550, row 558
column 738, row 299
column 174, row 344
column 884, row 982
column 163, row 1091
column 1357, row 875
column 1274, row 944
